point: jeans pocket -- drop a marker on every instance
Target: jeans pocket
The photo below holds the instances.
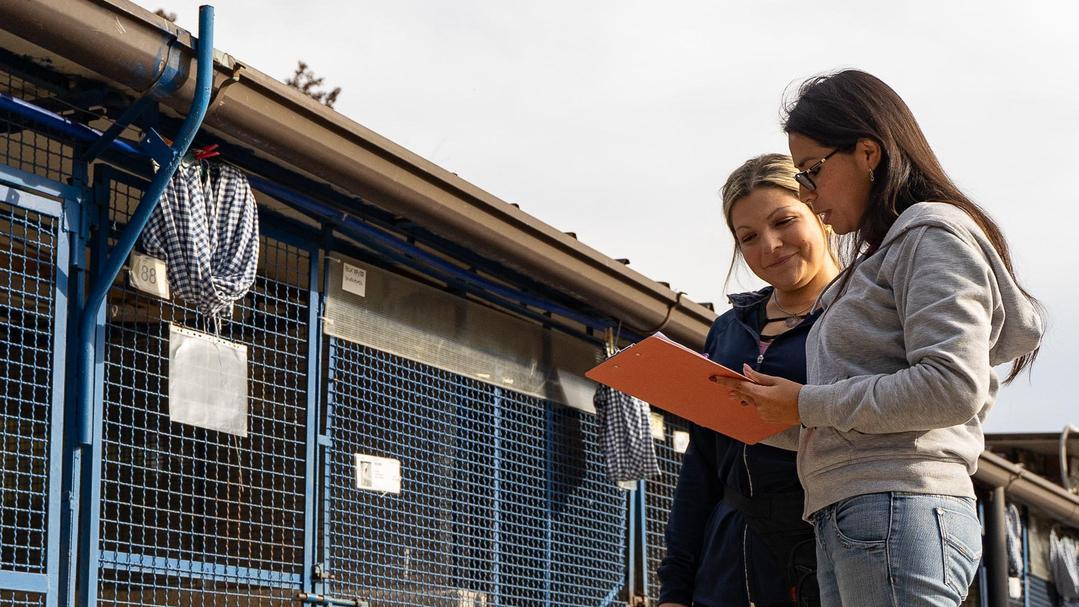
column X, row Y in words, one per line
column 960, row 535
column 863, row 521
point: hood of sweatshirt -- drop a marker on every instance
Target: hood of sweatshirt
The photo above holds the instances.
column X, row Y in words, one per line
column 1023, row 324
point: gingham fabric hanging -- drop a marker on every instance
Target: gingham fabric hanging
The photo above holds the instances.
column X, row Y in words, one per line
column 207, row 232
column 625, row 433
column 1064, row 564
column 1013, row 527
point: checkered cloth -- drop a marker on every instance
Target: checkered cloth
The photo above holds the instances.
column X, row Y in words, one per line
column 1013, row 527
column 1064, row 564
column 625, row 433
column 207, row 232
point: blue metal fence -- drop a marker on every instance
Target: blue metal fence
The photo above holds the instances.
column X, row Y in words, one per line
column 27, row 246
column 33, row 255
column 15, row 598
column 187, row 513
column 35, row 150
column 502, row 501
column 658, row 497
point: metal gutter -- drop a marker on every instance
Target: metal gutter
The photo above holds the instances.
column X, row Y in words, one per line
column 1028, row 488
column 123, row 43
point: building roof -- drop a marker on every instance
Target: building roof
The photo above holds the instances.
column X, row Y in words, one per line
column 129, row 48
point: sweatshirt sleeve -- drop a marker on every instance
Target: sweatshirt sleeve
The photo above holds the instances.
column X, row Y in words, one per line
column 695, row 497
column 943, row 294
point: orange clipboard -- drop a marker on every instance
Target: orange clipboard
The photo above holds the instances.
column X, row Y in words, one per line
column 674, row 378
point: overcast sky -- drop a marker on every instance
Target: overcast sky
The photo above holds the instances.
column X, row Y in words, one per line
column 620, row 120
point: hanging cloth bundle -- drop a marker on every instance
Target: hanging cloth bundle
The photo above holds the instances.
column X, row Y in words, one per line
column 1013, row 526
column 1064, row 563
column 207, row 232
column 625, row 432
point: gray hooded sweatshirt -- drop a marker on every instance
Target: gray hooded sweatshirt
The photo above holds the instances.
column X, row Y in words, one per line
column 900, row 366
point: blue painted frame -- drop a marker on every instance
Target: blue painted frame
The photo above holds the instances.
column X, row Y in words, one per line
column 30, row 195
column 314, row 435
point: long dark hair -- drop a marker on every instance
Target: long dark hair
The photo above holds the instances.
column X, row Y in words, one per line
column 836, row 110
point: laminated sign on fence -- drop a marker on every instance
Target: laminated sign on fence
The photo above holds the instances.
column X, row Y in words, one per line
column 207, row 381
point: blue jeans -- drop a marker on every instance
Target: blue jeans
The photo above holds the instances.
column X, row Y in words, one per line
column 897, row 550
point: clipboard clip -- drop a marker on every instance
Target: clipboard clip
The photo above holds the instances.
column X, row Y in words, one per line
column 610, row 340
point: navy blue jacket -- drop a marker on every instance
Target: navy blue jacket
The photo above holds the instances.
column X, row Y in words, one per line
column 712, row 558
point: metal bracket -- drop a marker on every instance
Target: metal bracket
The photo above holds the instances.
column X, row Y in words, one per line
column 154, row 146
column 130, row 115
column 321, row 599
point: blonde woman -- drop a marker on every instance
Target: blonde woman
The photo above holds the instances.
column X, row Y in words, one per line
column 735, row 534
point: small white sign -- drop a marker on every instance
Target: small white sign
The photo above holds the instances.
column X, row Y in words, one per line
column 149, row 275
column 354, row 280
column 659, row 430
column 1015, row 588
column 627, row 485
column 380, row 474
column 680, row 441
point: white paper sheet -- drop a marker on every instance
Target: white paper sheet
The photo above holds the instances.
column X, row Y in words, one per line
column 207, row 381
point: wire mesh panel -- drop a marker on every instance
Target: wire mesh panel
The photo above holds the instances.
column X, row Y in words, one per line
column 588, row 513
column 14, row 598
column 659, row 496
column 502, row 499
column 32, row 148
column 29, row 242
column 191, row 515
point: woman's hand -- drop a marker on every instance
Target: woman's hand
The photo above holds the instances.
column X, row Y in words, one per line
column 775, row 398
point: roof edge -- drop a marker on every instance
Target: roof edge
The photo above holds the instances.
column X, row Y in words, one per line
column 128, row 46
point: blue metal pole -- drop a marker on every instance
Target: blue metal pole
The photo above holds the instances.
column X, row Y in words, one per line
column 549, row 510
column 496, row 508
column 1026, row 559
column 126, row 242
column 641, row 558
column 314, row 399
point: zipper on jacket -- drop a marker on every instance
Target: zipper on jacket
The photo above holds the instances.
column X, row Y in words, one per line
column 745, row 562
column 745, row 456
column 745, row 525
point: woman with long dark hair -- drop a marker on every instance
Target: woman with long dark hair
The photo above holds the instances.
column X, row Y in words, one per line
column 900, row 365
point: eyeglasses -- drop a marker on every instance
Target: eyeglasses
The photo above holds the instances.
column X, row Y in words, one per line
column 805, row 179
